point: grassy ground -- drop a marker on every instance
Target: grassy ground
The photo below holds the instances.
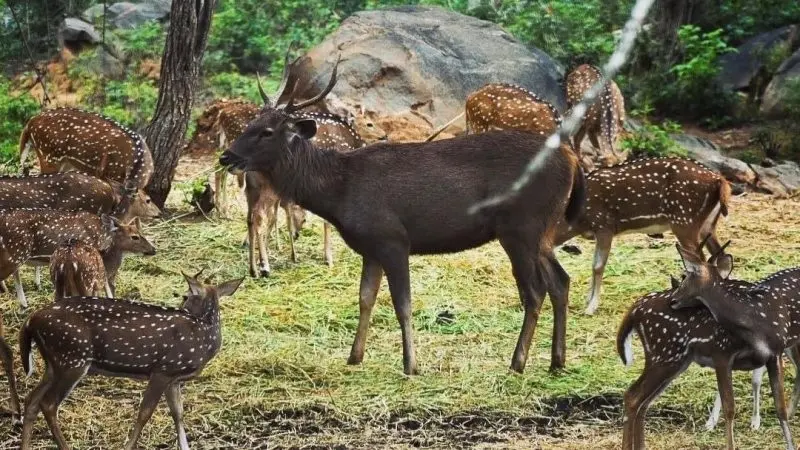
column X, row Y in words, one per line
column 280, row 380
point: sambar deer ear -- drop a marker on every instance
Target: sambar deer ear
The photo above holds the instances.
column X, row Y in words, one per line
column 305, row 128
column 195, row 287
column 674, row 282
column 229, row 287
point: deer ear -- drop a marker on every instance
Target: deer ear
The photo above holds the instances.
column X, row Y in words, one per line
column 305, row 128
column 195, row 287
column 674, row 282
column 724, row 265
column 690, row 263
column 229, row 287
column 109, row 222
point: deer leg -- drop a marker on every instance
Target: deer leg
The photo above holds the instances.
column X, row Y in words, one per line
column 722, row 366
column 287, row 209
column 532, row 288
column 713, row 418
column 176, row 409
column 37, row 280
column 109, row 292
column 262, row 241
column 602, row 249
column 650, row 384
column 327, row 245
column 254, row 219
column 755, row 419
column 58, row 391
column 219, row 200
column 578, row 139
column 794, row 356
column 32, row 407
column 558, row 288
column 20, row 292
column 371, row 273
column 7, row 355
column 775, row 370
column 3, row 287
column 395, row 264
column 152, row 394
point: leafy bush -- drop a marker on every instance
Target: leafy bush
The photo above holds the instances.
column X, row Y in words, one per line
column 234, row 85
column 145, row 41
column 15, row 110
column 653, row 140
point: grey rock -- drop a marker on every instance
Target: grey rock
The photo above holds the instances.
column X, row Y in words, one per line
column 129, row 15
column 426, row 60
column 738, row 69
column 76, row 31
column 774, row 101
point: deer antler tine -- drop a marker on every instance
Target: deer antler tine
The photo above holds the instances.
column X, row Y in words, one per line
column 703, row 243
column 324, row 92
column 197, row 275
column 287, row 69
column 261, row 90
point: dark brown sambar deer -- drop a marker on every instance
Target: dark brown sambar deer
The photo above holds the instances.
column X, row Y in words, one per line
column 390, row 201
column 88, row 335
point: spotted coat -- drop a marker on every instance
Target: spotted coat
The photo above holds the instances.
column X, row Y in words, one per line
column 605, row 117
column 70, row 138
column 77, row 269
column 501, row 106
column 70, row 191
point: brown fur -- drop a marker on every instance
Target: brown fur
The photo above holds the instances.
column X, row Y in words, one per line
column 76, row 269
column 500, row 106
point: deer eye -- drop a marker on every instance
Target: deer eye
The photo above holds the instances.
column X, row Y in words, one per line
column 135, row 238
column 267, row 132
column 369, row 125
column 147, row 201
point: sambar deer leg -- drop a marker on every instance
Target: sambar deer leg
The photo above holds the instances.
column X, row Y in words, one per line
column 558, row 289
column 175, row 404
column 602, row 249
column 327, row 244
column 155, row 389
column 371, row 274
column 775, row 370
column 395, row 263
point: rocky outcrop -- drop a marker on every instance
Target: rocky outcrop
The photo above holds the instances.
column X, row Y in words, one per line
column 738, row 69
column 785, row 80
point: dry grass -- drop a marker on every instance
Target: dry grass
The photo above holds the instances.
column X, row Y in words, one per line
column 281, row 380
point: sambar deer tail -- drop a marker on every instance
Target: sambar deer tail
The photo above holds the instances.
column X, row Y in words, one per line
column 577, row 198
column 444, row 127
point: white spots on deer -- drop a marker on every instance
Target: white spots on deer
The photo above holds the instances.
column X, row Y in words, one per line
column 500, row 106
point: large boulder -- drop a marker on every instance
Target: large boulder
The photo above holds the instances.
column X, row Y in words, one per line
column 424, row 61
column 738, row 69
column 128, row 15
column 76, row 33
column 786, row 77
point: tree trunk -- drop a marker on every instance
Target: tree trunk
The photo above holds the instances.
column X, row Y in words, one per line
column 180, row 71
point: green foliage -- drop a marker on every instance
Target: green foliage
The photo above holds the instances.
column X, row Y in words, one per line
column 15, row 110
column 253, row 35
column 146, row 41
column 653, row 140
column 234, row 85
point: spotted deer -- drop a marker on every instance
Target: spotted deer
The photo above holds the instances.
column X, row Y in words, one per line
column 88, row 335
column 390, row 200
column 648, row 196
column 72, row 139
column 32, row 235
column 76, row 269
column 673, row 337
column 604, row 120
column 502, row 106
column 262, row 201
column 232, row 117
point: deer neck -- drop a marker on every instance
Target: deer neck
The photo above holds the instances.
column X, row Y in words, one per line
column 112, row 257
column 309, row 176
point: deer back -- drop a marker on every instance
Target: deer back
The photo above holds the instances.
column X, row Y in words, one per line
column 500, row 106
column 76, row 269
column 233, row 118
column 32, row 233
column 89, row 142
column 69, row 191
column 652, row 193
column 332, row 131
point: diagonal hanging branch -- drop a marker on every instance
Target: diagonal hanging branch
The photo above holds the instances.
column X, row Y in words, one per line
column 575, row 117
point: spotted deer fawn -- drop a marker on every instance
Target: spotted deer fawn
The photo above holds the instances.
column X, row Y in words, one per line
column 88, row 335
column 32, row 235
column 76, row 269
column 502, row 106
column 674, row 336
column 605, row 118
column 72, row 139
column 648, row 196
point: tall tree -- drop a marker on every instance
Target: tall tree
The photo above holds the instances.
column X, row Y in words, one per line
column 189, row 25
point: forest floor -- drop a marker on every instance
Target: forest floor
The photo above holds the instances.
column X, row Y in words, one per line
column 280, row 380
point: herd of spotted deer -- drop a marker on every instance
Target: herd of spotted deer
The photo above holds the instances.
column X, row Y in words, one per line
column 387, row 201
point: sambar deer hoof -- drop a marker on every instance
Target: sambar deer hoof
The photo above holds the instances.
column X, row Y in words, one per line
column 354, row 360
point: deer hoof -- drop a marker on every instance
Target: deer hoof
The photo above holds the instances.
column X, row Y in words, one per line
column 354, row 360
column 264, row 273
column 518, row 367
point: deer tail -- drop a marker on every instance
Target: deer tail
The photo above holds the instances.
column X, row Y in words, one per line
column 608, row 125
column 25, row 339
column 577, row 197
column 625, row 337
column 444, row 127
column 23, row 147
column 724, row 196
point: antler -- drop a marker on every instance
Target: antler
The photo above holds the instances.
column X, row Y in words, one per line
column 292, row 107
column 264, row 95
column 287, row 69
